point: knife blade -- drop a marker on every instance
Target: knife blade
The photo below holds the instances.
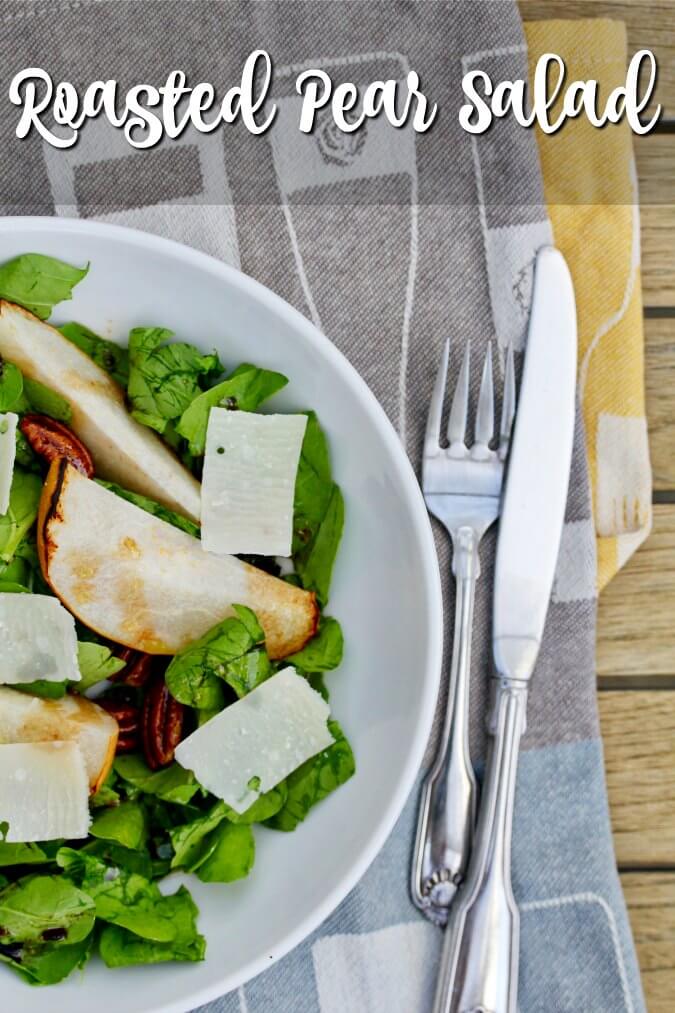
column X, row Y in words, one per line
column 535, row 494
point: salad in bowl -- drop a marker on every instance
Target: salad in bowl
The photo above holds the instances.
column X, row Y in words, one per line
column 166, row 553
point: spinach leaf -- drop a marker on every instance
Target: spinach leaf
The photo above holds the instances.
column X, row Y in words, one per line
column 173, row 784
column 43, row 688
column 217, row 850
column 11, row 386
column 194, row 675
column 318, row 513
column 107, row 354
column 96, row 662
column 324, row 651
column 24, row 499
column 26, row 457
column 264, row 806
column 22, row 854
column 164, row 376
column 120, row 948
column 246, row 388
column 245, row 673
column 106, row 793
column 38, row 283
column 119, row 857
column 121, row 897
column 315, row 779
column 188, row 838
column 39, row 904
column 229, row 854
column 46, row 401
column 47, row 963
column 152, row 507
column 124, row 824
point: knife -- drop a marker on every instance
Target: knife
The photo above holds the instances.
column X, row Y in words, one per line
column 479, row 962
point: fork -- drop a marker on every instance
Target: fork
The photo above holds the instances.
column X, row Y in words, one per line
column 462, row 489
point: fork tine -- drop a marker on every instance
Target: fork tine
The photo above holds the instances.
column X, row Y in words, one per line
column 508, row 404
column 460, row 401
column 433, row 431
column 485, row 421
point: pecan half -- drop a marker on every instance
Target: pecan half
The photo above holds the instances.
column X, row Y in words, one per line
column 138, row 667
column 51, row 439
column 161, row 724
column 129, row 720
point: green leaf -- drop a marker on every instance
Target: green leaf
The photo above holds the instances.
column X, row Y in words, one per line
column 245, row 673
column 245, row 389
column 50, row 963
column 315, row 779
column 118, row 857
column 188, row 838
column 106, row 793
column 164, row 376
column 125, row 824
column 37, row 904
column 324, row 651
column 43, row 688
column 22, row 854
column 213, row 847
column 121, row 948
column 230, row 854
column 107, row 354
column 152, row 507
column 96, row 663
column 121, row 897
column 38, row 283
column 46, row 401
column 26, row 458
column 194, row 675
column 318, row 513
column 11, row 386
column 24, row 499
column 263, row 808
column 173, row 784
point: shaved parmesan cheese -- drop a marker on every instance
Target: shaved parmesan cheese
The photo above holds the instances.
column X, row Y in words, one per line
column 8, row 422
column 37, row 639
column 256, row 742
column 44, row 792
column 248, row 485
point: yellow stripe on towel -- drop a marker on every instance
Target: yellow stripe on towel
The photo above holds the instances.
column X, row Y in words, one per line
column 591, row 191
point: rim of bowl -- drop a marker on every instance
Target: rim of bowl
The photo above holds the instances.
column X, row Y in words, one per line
column 415, row 503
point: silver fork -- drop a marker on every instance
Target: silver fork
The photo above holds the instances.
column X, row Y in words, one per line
column 462, row 489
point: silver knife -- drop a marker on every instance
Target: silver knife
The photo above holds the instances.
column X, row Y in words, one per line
column 479, row 963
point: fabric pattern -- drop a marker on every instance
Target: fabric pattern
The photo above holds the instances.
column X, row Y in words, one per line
column 388, row 248
column 590, row 183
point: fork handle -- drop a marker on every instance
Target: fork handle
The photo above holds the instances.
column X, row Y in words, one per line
column 448, row 802
column 479, row 962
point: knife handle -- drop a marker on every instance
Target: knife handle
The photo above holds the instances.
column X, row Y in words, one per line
column 479, row 963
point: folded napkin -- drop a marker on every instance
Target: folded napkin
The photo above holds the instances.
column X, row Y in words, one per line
column 590, row 187
column 388, row 247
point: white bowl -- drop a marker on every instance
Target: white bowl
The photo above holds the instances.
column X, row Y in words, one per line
column 386, row 594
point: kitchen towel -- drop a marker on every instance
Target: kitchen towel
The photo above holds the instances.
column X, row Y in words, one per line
column 590, row 185
column 389, row 242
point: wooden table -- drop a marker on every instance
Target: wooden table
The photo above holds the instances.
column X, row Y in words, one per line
column 636, row 628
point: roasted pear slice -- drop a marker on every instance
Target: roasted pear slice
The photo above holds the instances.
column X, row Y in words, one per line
column 123, row 450
column 25, row 718
column 141, row 582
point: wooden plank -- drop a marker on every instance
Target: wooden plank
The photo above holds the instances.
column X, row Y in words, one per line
column 660, row 388
column 636, row 614
column 650, row 25
column 651, row 906
column 638, row 731
column 655, row 157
